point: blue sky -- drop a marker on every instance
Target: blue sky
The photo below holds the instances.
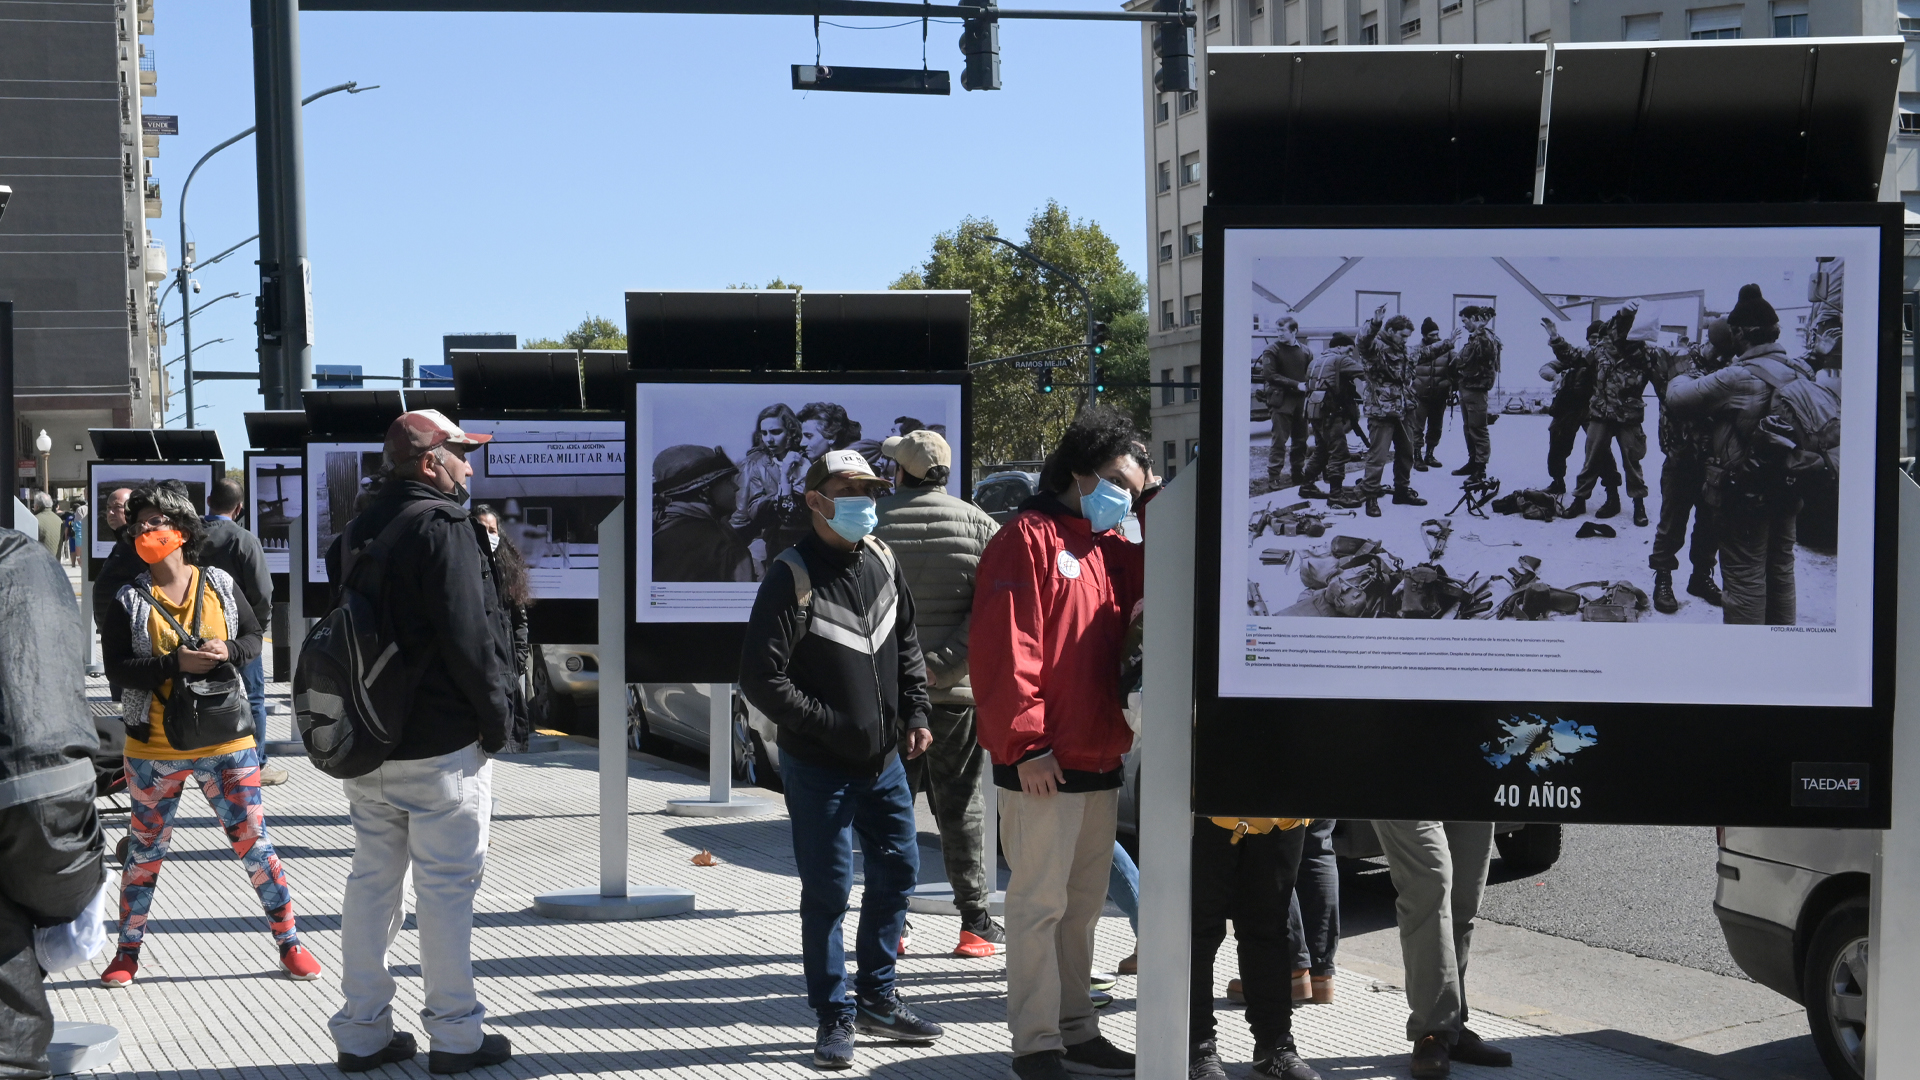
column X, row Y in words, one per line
column 517, row 172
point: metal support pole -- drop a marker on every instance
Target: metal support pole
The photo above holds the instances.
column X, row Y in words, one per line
column 296, row 286
column 266, row 169
column 613, row 899
column 296, row 591
column 9, row 420
column 720, row 801
column 1893, row 920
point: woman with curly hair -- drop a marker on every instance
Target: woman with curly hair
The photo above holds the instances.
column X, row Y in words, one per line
column 176, row 619
column 516, row 595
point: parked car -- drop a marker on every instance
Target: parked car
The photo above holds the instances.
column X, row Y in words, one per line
column 1792, row 904
column 565, row 695
column 1000, row 494
column 677, row 714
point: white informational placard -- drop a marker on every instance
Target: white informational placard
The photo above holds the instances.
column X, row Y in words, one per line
column 105, row 476
column 338, row 474
column 275, row 497
column 1280, row 628
column 551, row 482
column 699, row 554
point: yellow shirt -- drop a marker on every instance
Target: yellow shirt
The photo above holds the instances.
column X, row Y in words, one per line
column 157, row 748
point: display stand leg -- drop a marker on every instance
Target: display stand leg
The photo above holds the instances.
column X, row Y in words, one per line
column 89, row 650
column 721, row 801
column 1166, row 807
column 1893, row 928
column 936, row 897
column 614, row 899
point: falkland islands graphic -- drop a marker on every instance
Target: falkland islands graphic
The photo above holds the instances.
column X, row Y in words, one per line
column 1538, row 741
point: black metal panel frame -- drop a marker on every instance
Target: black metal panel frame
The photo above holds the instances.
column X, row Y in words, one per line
column 725, row 329
column 886, row 330
column 278, row 430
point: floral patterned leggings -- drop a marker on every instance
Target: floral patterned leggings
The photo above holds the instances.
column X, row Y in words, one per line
column 231, row 783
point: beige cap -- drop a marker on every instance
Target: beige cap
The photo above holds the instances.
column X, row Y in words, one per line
column 848, row 463
column 919, row 451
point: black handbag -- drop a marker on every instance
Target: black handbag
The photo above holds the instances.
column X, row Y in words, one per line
column 207, row 709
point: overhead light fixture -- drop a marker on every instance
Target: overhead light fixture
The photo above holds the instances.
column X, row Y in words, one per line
column 866, row 80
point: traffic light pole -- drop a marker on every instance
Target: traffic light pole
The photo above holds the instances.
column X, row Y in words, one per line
column 1086, row 302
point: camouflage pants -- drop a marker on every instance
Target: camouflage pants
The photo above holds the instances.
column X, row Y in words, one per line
column 1329, row 452
column 949, row 772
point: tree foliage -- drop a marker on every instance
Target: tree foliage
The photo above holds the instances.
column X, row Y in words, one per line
column 1019, row 307
column 594, row 332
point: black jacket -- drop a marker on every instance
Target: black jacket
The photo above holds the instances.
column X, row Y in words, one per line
column 238, row 552
column 848, row 691
column 449, row 621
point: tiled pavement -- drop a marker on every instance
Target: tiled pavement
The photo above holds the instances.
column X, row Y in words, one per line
column 713, row 994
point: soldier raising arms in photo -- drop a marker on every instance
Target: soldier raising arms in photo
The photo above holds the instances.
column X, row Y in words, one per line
column 1476, row 366
column 1571, row 372
column 1616, row 415
column 1383, row 348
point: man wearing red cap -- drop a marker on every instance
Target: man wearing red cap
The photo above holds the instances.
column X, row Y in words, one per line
column 428, row 803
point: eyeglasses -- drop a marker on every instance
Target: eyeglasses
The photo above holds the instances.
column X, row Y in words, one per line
column 156, row 520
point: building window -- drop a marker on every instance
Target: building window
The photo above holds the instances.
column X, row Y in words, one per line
column 1189, row 101
column 1640, row 27
column 1370, row 29
column 1190, row 168
column 1541, row 37
column 1910, row 17
column 1213, row 15
column 1164, row 179
column 1191, row 375
column 1330, row 36
column 1790, row 18
column 1160, row 111
column 1166, row 245
column 1192, row 317
column 1910, row 114
column 1190, row 239
column 1410, row 29
column 1169, row 459
column 1448, row 7
column 1259, row 9
column 1193, row 450
column 1714, row 23
column 1166, row 315
column 1166, row 398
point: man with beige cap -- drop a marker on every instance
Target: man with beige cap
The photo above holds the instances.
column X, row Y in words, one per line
column 938, row 540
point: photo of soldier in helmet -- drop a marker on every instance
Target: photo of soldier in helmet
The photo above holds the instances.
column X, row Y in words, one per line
column 695, row 492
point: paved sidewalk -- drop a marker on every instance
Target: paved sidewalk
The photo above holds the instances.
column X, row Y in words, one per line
column 714, row 994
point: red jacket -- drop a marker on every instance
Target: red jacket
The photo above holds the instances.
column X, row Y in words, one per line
column 1050, row 610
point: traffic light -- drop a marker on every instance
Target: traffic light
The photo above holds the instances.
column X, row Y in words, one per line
column 1043, row 380
column 980, row 43
column 1099, row 337
column 1175, row 50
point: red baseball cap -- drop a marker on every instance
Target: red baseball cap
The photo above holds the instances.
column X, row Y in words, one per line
column 414, row 433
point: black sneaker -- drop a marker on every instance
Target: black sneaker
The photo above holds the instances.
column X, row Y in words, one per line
column 1044, row 1065
column 833, row 1044
column 1284, row 1064
column 1100, row 998
column 889, row 1018
column 494, row 1050
column 1097, row 1057
column 1205, row 1064
column 980, row 936
column 400, row 1048
column 1104, row 980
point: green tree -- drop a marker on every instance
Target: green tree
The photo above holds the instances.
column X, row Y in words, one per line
column 594, row 332
column 1019, row 307
column 776, row 283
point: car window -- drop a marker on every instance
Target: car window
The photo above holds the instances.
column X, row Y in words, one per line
column 995, row 496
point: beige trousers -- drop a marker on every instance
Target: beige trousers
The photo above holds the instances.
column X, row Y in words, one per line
column 1060, row 850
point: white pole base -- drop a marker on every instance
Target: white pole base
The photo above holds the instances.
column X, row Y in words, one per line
column 936, row 898
column 587, row 905
column 737, row 806
column 82, row 1047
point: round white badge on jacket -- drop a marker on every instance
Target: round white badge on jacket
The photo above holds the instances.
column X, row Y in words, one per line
column 1069, row 566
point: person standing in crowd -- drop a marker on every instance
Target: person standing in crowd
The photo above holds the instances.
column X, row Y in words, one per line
column 1059, row 586
column 52, row 529
column 1283, row 370
column 1571, row 372
column 427, row 806
column 1389, row 373
column 1756, row 522
column 695, row 489
column 1439, row 870
column 516, row 595
column 1313, row 914
column 237, row 552
column 53, row 846
column 182, row 617
column 120, row 567
column 1476, row 367
column 80, row 520
column 1432, row 389
column 1332, row 408
column 832, row 658
column 938, row 540
column 769, row 475
column 1685, row 445
column 1616, row 415
column 1243, row 870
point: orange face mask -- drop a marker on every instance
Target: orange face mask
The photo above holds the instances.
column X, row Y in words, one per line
column 157, row 544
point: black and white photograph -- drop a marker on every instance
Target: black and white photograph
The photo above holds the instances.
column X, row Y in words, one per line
column 273, row 503
column 340, row 479
column 103, row 477
column 1617, row 452
column 720, row 478
column 551, row 483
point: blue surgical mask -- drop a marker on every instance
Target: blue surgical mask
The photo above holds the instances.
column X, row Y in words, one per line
column 853, row 518
column 1105, row 506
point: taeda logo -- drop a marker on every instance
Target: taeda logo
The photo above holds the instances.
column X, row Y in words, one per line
column 1829, row 783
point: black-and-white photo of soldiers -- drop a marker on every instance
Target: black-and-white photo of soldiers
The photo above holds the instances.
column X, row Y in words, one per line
column 1571, row 372
column 1333, row 408
column 1432, row 390
column 1389, row 403
column 1685, row 443
column 1283, row 373
column 1617, row 415
column 1476, row 367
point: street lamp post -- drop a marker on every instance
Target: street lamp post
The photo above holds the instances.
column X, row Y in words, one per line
column 44, row 444
column 187, row 267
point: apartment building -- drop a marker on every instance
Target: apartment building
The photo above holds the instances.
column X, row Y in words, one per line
column 75, row 255
column 1176, row 190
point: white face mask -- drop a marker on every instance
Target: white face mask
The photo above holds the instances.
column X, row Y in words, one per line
column 493, row 541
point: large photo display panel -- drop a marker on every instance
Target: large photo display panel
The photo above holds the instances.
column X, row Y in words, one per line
column 719, row 470
column 104, row 477
column 552, row 482
column 274, row 501
column 339, row 483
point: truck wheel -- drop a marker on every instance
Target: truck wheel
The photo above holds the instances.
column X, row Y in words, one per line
column 1531, row 849
column 1836, row 988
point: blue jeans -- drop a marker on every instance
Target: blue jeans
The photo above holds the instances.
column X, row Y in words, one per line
column 1123, row 886
column 826, row 808
column 255, row 676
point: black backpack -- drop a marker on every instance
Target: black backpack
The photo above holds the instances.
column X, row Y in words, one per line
column 351, row 689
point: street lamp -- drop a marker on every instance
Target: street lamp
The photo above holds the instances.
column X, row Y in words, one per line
column 186, row 303
column 44, row 444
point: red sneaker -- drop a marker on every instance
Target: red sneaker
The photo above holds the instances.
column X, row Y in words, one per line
column 119, row 974
column 975, row 946
column 299, row 963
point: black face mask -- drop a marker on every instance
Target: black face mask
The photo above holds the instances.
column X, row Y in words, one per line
column 460, row 493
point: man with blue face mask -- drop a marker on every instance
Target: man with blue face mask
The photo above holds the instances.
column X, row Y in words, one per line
column 831, row 657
